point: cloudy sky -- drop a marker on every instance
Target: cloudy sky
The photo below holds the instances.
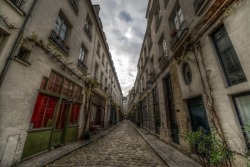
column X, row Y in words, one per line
column 124, row 24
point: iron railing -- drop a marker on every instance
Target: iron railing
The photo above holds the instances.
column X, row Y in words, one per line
column 59, row 42
column 198, row 4
column 74, row 5
column 18, row 3
column 179, row 33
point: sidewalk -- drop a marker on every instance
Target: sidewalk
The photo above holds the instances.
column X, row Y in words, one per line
column 46, row 158
column 171, row 156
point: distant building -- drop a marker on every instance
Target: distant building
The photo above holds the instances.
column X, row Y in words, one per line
column 54, row 61
column 193, row 70
column 124, row 104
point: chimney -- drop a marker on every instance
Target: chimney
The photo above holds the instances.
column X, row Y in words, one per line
column 97, row 9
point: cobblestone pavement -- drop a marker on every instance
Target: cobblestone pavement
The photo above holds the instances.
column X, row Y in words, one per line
column 121, row 147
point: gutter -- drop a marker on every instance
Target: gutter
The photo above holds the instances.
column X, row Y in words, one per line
column 16, row 44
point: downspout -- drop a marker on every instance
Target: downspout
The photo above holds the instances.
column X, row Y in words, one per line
column 17, row 42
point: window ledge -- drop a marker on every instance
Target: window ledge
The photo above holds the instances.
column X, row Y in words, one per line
column 24, row 62
column 20, row 11
column 39, row 129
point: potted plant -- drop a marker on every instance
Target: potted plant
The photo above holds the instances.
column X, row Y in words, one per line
column 86, row 135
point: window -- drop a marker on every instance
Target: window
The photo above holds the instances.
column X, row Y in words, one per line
column 158, row 17
column 163, row 51
column 59, row 35
column 83, row 54
column 187, row 73
column 96, row 70
column 106, row 81
column 67, row 89
column 178, row 21
column 243, row 107
column 149, row 41
column 107, row 66
column 61, row 27
column 74, row 4
column 88, row 26
column 74, row 114
column 166, row 3
column 103, row 59
column 101, row 79
column 98, row 49
column 55, row 83
column 228, row 57
column 83, row 58
column 23, row 54
column 179, row 26
column 43, row 112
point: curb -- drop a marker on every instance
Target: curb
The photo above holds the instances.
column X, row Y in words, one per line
column 150, row 144
column 35, row 161
column 170, row 156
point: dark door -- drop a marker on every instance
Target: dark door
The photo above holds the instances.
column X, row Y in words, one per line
column 171, row 110
column 156, row 111
column 198, row 114
column 59, row 131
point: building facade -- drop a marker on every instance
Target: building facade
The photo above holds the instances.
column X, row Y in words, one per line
column 57, row 76
column 193, row 71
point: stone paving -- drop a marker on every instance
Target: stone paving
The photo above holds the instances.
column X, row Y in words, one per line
column 121, row 147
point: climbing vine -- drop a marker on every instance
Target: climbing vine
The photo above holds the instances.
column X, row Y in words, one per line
column 6, row 21
column 90, row 83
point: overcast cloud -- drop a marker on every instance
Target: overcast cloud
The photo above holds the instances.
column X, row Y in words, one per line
column 124, row 24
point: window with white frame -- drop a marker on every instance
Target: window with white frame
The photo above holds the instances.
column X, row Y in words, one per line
column 83, row 54
column 82, row 59
column 158, row 16
column 88, row 26
column 163, row 51
column 62, row 27
column 178, row 21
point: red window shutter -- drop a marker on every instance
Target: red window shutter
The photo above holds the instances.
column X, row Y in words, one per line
column 43, row 110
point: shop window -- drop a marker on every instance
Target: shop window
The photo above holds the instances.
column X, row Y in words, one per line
column 77, row 92
column 44, row 83
column 74, row 114
column 67, row 88
column 55, row 83
column 43, row 112
column 228, row 57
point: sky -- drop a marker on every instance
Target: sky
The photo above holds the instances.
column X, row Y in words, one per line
column 124, row 25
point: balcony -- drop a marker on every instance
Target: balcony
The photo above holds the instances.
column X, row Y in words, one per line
column 177, row 34
column 59, row 42
column 198, row 4
column 74, row 5
column 18, row 3
column 82, row 66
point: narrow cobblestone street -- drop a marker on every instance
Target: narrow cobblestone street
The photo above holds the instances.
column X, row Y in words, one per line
column 121, row 147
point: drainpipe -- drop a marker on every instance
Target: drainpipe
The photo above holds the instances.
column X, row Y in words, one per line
column 17, row 42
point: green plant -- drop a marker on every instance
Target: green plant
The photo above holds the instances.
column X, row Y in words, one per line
column 210, row 150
